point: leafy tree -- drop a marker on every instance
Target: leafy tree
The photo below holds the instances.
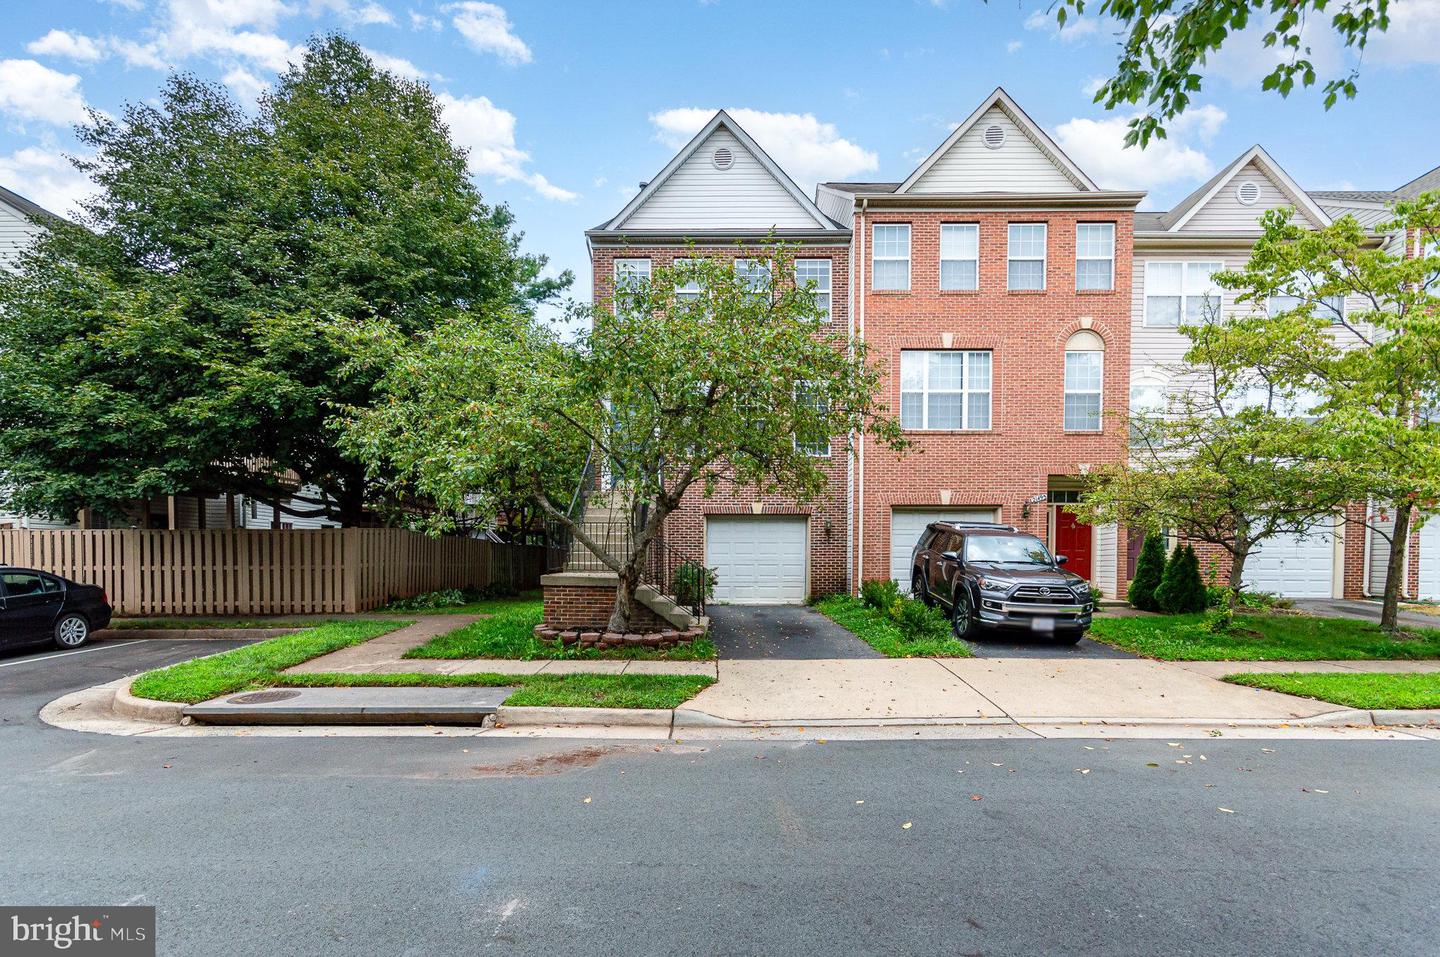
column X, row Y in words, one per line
column 1149, row 569
column 1166, row 44
column 191, row 334
column 728, row 387
column 1226, row 461
column 1359, row 327
column 1181, row 590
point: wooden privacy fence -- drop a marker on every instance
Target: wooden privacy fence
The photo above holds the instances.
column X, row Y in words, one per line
column 268, row 572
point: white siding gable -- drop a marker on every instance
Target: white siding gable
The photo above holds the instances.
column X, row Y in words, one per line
column 17, row 231
column 1019, row 166
column 699, row 196
column 1225, row 213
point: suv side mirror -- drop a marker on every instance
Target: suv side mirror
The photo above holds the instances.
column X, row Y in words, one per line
column 950, row 556
column 1061, row 559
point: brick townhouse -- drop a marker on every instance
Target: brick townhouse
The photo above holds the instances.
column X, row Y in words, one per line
column 1016, row 307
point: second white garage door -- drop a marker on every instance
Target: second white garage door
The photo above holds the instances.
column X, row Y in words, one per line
column 1429, row 558
column 1296, row 566
column 758, row 559
column 907, row 524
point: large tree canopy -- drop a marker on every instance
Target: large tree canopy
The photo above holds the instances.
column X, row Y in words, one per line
column 195, row 332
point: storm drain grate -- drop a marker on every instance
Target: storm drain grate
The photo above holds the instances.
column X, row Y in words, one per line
column 263, row 697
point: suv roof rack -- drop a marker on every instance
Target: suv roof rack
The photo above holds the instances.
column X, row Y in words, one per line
column 991, row 525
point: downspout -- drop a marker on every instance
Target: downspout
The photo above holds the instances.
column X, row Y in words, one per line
column 850, row 464
column 860, row 496
column 1369, row 544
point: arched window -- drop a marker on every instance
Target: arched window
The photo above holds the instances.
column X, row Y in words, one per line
column 1084, row 381
column 1147, row 405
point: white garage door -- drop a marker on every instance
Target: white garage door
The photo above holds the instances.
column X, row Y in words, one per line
column 1429, row 559
column 907, row 524
column 758, row 559
column 1296, row 566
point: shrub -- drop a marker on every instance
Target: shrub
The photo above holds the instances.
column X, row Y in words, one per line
column 880, row 594
column 1149, row 570
column 915, row 621
column 1181, row 591
column 694, row 583
column 444, row 598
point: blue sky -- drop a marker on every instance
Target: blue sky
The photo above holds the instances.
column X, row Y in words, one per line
column 566, row 106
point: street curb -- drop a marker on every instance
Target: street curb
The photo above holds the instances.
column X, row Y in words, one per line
column 1427, row 718
column 192, row 634
column 516, row 717
column 143, row 709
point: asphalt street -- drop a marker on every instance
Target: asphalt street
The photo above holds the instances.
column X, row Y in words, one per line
column 452, row 845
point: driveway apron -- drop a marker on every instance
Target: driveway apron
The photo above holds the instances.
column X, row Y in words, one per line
column 781, row 631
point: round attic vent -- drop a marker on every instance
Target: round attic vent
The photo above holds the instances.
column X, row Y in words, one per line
column 723, row 158
column 1248, row 193
column 994, row 137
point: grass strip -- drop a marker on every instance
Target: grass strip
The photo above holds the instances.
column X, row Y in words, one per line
column 1264, row 637
column 510, row 633
column 880, row 632
column 1368, row 691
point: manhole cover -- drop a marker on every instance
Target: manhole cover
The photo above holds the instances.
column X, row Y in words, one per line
column 263, row 697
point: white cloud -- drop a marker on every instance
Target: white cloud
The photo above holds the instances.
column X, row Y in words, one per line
column 1245, row 59
column 131, row 5
column 1093, row 85
column 238, row 28
column 138, row 54
column 1014, row 46
column 1076, row 28
column 1413, row 37
column 354, row 14
column 488, row 133
column 807, row 149
column 73, row 46
column 1098, row 147
column 46, row 178
column 487, row 28
column 399, row 66
column 245, row 85
column 30, row 91
column 420, row 21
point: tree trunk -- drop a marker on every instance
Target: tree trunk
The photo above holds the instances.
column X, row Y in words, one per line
column 624, row 600
column 1238, row 558
column 1395, row 571
column 638, row 557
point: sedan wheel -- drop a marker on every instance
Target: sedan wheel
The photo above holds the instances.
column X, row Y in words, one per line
column 72, row 631
column 962, row 619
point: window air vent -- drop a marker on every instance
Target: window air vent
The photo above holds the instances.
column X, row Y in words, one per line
column 994, row 137
column 723, row 158
column 1247, row 192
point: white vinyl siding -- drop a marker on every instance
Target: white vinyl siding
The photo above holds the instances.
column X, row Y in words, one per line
column 816, row 273
column 17, row 232
column 1225, row 213
column 1105, row 559
column 1084, row 377
column 1027, row 255
column 1020, row 166
column 944, row 390
column 1181, row 293
column 1329, row 308
column 959, row 256
column 890, row 254
column 1095, row 256
column 699, row 196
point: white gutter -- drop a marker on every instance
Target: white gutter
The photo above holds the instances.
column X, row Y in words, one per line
column 1369, row 544
column 860, row 496
column 850, row 583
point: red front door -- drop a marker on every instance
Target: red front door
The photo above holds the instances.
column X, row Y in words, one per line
column 1072, row 539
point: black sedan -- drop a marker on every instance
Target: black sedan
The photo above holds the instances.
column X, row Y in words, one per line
column 37, row 607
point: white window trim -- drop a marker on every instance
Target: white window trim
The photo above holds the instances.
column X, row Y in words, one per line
column 830, row 442
column 944, row 260
column 829, row 288
column 1110, row 259
column 1044, row 258
column 964, row 392
column 1185, row 265
column 1099, row 392
column 875, row 257
column 1319, row 308
column 766, row 267
column 691, row 290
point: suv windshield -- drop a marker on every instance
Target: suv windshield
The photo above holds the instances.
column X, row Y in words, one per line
column 1006, row 549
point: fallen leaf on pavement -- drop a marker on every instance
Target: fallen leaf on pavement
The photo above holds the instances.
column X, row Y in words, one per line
column 998, row 764
column 1151, row 764
column 1174, row 744
column 1268, row 750
column 906, row 825
column 1225, row 810
column 1083, row 770
column 1318, row 791
column 859, row 802
column 974, row 797
column 587, row 800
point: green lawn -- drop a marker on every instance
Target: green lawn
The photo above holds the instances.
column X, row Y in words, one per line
column 254, row 666
column 1370, row 692
column 1264, row 637
column 172, row 624
column 510, row 633
column 261, row 665
column 884, row 635
column 484, row 606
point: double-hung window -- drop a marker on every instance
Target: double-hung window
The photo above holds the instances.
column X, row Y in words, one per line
column 1095, row 256
column 890, row 254
column 1027, row 256
column 1084, row 377
column 815, row 274
column 688, row 291
column 1181, row 292
column 630, row 275
column 1300, row 292
column 814, row 442
column 944, row 389
column 960, row 256
column 755, row 274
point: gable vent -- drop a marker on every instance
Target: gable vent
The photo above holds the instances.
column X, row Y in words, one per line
column 994, row 137
column 1248, row 193
column 723, row 158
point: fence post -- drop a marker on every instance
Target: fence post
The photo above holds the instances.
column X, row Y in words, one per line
column 350, row 568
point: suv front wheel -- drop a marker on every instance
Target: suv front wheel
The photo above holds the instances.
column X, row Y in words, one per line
column 962, row 615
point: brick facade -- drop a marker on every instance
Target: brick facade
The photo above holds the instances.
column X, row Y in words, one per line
column 589, row 606
column 1026, row 332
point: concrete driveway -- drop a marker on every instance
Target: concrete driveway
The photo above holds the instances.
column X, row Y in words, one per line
column 1363, row 610
column 781, row 631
